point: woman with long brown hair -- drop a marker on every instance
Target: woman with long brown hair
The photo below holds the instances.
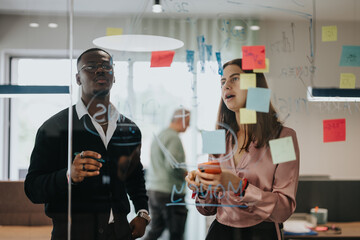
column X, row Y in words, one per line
column 252, row 196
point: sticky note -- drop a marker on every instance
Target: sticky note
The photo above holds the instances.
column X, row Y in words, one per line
column 218, row 59
column 247, row 116
column 162, row 58
column 265, row 70
column 258, row 99
column 247, row 80
column 214, row 141
column 253, row 57
column 347, row 80
column 282, row 150
column 334, row 130
column 329, row 33
column 350, row 56
column 190, row 60
column 113, row 31
column 208, row 52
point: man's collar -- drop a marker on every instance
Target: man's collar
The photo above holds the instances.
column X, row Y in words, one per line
column 81, row 110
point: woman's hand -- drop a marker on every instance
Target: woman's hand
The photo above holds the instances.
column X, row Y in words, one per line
column 191, row 180
column 220, row 181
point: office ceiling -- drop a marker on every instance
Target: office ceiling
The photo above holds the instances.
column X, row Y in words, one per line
column 257, row 9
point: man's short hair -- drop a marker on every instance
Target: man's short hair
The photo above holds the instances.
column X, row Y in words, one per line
column 180, row 113
column 91, row 50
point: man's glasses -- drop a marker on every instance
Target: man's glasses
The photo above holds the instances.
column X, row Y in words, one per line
column 94, row 67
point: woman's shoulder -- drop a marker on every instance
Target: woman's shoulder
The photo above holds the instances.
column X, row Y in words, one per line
column 286, row 131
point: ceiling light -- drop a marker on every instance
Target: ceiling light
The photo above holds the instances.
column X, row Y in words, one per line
column 138, row 43
column 238, row 28
column 52, row 25
column 34, row 25
column 157, row 8
column 254, row 27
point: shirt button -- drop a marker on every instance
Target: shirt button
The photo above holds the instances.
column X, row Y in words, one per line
column 101, row 230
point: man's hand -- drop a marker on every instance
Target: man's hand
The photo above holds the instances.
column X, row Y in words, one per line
column 84, row 165
column 138, row 225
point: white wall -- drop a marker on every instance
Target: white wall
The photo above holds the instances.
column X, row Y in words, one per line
column 290, row 74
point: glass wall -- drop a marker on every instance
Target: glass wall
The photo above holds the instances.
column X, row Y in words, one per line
column 307, row 44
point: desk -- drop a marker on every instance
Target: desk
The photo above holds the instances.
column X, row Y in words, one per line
column 25, row 232
column 349, row 230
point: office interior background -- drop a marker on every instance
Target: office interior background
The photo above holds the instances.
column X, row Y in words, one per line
column 40, row 41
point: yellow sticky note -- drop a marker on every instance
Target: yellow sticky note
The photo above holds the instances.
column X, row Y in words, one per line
column 347, row 80
column 113, row 31
column 247, row 116
column 329, row 33
column 265, row 70
column 247, row 80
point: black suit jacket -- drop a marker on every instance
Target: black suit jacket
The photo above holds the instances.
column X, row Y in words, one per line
column 46, row 181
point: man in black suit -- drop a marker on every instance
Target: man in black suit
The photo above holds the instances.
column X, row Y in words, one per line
column 106, row 164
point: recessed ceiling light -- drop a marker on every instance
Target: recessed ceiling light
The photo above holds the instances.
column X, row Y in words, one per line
column 34, row 25
column 52, row 25
column 157, row 8
column 254, row 27
column 238, row 28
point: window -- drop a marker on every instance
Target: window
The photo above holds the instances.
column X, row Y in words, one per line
column 28, row 113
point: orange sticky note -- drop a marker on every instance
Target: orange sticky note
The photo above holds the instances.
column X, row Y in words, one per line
column 253, row 57
column 162, row 58
column 334, row 130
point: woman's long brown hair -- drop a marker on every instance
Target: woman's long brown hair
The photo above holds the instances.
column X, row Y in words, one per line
column 268, row 125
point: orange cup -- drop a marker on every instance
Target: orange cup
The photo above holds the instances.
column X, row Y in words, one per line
column 210, row 167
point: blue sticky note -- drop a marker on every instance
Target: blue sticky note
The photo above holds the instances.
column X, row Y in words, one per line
column 350, row 56
column 190, row 60
column 258, row 99
column 218, row 59
column 201, row 48
column 208, row 52
column 214, row 141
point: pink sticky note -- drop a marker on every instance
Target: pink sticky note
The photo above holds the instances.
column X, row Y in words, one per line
column 162, row 58
column 253, row 57
column 334, row 130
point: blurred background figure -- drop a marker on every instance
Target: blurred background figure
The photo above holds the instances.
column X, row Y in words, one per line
column 162, row 177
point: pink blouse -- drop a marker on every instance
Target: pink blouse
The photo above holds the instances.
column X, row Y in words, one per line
column 270, row 195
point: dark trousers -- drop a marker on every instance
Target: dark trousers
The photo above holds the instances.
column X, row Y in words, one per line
column 261, row 231
column 91, row 227
column 171, row 217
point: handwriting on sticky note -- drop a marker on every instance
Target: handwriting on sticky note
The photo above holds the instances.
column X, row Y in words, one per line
column 247, row 80
column 350, row 56
column 113, row 31
column 253, row 57
column 258, row 99
column 214, row 141
column 347, row 80
column 334, row 130
column 247, row 116
column 162, row 58
column 329, row 33
column 282, row 150
column 265, row 70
